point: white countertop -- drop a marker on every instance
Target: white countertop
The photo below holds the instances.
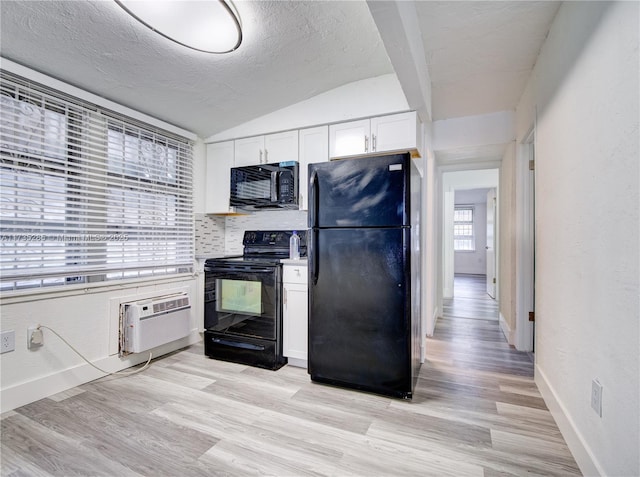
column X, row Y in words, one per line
column 205, row 256
column 289, row 261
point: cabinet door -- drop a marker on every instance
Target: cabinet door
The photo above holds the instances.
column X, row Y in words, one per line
column 249, row 151
column 281, row 147
column 349, row 139
column 314, row 148
column 294, row 321
column 219, row 164
column 394, row 132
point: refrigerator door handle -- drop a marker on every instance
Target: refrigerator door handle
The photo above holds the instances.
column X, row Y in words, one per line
column 313, row 199
column 313, row 256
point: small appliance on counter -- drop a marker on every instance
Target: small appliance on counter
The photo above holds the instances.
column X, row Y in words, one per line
column 243, row 301
column 364, row 274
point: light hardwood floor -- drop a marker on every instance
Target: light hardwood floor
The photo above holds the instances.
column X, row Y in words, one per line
column 470, row 299
column 476, row 411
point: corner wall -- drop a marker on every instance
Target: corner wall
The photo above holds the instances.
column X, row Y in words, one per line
column 507, row 240
column 585, row 91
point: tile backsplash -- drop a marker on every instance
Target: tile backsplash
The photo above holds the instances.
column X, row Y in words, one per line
column 216, row 235
column 236, row 225
column 209, row 231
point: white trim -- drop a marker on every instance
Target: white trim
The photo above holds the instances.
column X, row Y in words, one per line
column 434, row 320
column 33, row 75
column 509, row 334
column 297, row 362
column 524, row 246
column 37, row 294
column 42, row 387
column 584, row 456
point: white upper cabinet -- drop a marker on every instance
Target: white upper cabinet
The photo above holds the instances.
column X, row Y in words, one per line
column 249, row 151
column 395, row 132
column 349, row 139
column 281, row 147
column 267, row 149
column 219, row 163
column 314, row 148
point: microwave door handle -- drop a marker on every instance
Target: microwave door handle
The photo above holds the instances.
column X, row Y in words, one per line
column 274, row 186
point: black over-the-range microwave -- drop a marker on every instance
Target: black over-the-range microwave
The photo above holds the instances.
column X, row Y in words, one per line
column 265, row 186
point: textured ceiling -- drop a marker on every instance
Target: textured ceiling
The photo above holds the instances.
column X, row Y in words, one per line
column 479, row 56
column 291, row 51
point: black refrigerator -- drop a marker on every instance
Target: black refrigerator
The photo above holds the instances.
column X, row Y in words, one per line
column 364, row 274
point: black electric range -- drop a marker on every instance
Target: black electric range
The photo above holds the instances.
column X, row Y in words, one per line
column 243, row 300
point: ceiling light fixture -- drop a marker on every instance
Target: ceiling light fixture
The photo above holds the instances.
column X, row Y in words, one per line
column 211, row 26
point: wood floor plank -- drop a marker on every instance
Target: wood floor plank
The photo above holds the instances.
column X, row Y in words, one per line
column 476, row 411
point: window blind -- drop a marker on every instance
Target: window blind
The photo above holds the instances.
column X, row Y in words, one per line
column 87, row 195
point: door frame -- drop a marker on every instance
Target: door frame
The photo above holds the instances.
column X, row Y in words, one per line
column 525, row 256
column 491, row 253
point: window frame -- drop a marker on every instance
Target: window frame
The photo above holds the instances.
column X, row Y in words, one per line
column 470, row 237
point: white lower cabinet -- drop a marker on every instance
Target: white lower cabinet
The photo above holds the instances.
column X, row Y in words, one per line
column 294, row 316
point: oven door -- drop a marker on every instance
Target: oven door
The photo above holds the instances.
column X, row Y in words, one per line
column 243, row 301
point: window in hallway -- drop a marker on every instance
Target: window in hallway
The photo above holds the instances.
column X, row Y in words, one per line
column 463, row 230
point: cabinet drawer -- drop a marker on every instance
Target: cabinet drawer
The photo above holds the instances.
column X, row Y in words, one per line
column 295, row 274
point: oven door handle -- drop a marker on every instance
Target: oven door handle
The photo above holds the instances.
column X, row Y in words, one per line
column 235, row 344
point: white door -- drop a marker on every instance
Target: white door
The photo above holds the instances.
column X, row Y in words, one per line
column 491, row 252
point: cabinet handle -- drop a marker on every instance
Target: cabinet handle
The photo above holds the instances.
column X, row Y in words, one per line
column 284, row 297
column 266, row 151
column 373, row 142
column 366, row 143
column 260, row 156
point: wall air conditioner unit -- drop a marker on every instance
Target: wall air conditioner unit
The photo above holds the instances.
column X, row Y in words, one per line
column 148, row 323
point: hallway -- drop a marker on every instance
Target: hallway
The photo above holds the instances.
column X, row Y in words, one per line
column 470, row 328
column 470, row 299
column 472, row 376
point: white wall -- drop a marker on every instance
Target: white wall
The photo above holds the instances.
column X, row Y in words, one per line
column 585, row 89
column 432, row 204
column 369, row 97
column 88, row 319
column 474, row 262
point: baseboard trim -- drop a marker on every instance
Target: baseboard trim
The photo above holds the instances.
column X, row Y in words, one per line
column 45, row 386
column 434, row 320
column 509, row 334
column 581, row 453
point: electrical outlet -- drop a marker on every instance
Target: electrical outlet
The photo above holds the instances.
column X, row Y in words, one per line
column 34, row 337
column 7, row 341
column 596, row 396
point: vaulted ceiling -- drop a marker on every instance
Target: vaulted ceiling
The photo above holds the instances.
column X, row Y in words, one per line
column 478, row 55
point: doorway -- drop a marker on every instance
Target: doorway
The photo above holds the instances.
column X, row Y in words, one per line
column 474, row 256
